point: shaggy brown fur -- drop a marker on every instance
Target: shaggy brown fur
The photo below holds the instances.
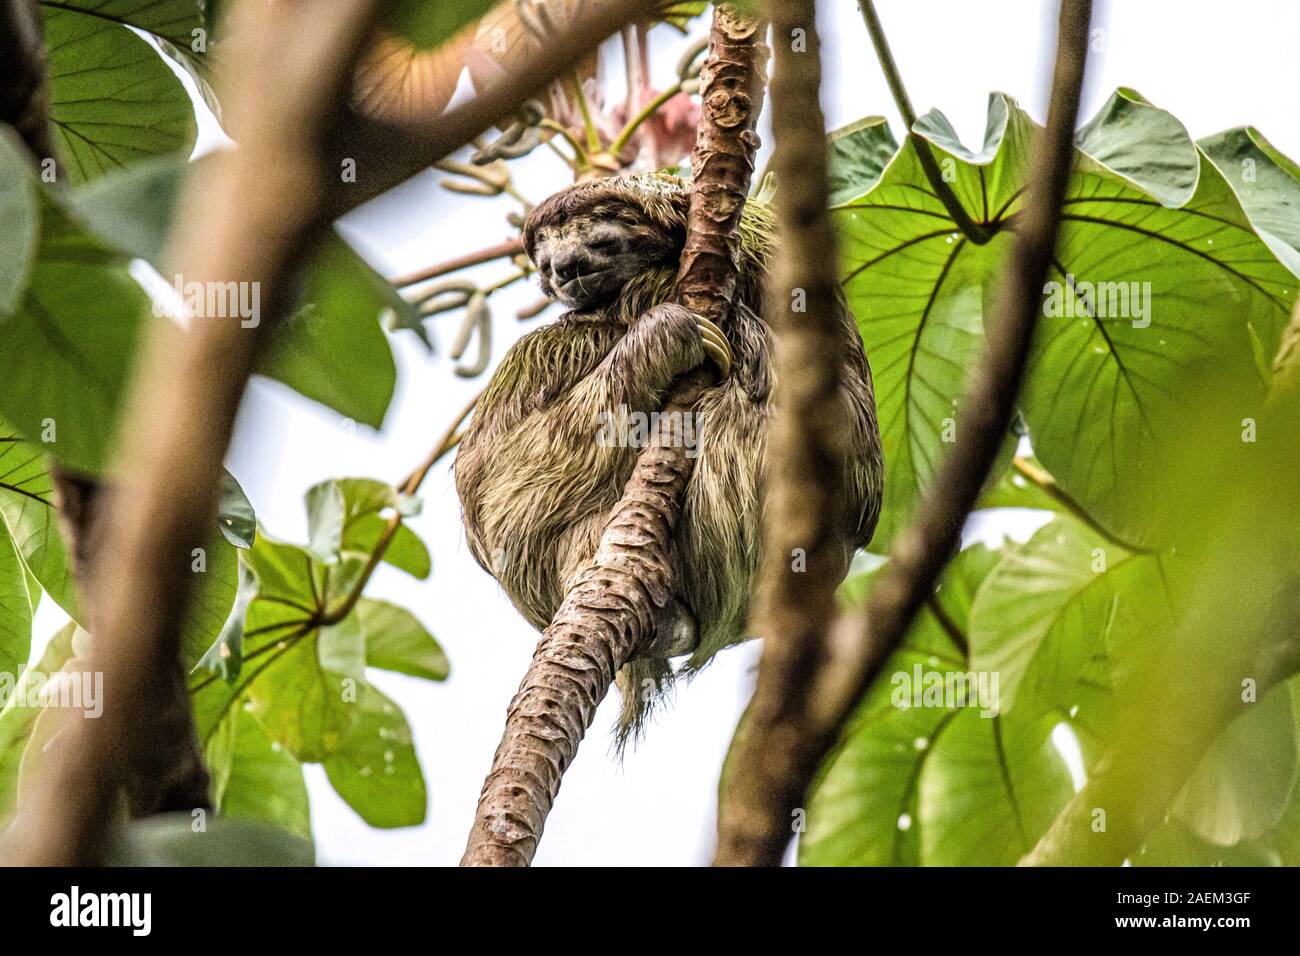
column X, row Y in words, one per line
column 535, row 483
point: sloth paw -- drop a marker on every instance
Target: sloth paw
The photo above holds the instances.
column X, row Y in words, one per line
column 715, row 344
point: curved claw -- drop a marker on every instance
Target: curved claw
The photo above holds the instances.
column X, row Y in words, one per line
column 715, row 344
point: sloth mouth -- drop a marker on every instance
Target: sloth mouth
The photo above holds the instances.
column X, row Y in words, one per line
column 585, row 287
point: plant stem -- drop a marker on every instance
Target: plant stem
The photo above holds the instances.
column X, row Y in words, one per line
column 509, row 248
column 593, row 138
column 975, row 232
column 580, row 151
column 646, row 112
column 410, row 486
column 1047, row 484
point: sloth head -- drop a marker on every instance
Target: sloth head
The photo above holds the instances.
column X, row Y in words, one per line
column 591, row 239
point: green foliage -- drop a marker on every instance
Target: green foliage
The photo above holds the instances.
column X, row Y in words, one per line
column 1145, row 205
column 112, row 98
column 1139, row 418
column 427, row 25
column 286, row 683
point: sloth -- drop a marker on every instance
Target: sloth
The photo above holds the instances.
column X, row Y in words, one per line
column 536, row 481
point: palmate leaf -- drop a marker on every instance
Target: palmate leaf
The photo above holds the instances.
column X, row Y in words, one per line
column 1107, row 396
column 113, row 101
column 255, row 778
column 27, row 515
column 305, row 684
column 1104, row 398
column 934, row 784
column 173, row 20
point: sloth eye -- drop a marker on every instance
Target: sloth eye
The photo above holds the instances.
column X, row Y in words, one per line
column 606, row 244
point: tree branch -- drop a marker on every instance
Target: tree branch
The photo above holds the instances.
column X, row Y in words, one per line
column 389, row 152
column 845, row 667
column 976, row 232
column 805, row 461
column 611, row 613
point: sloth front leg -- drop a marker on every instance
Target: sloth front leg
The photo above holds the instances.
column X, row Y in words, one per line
column 667, row 341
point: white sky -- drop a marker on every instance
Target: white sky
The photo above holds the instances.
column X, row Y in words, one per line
column 1213, row 65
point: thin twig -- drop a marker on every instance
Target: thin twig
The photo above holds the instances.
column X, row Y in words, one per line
column 508, row 249
column 975, row 232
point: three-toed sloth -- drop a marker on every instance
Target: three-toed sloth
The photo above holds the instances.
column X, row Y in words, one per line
column 536, row 475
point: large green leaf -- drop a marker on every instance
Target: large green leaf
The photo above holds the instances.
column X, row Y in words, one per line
column 1106, row 393
column 20, row 212
column 1042, row 614
column 924, row 780
column 255, row 778
column 1267, row 182
column 857, row 156
column 113, row 101
column 376, row 770
column 173, row 20
column 27, row 514
column 333, row 349
column 396, row 641
column 67, row 367
column 916, row 287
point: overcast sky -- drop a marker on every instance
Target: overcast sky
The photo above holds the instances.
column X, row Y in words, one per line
column 1213, row 65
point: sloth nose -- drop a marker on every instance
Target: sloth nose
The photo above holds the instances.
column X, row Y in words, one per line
column 567, row 266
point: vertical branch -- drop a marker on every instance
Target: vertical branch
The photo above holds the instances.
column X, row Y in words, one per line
column 923, row 549
column 804, row 490
column 612, row 610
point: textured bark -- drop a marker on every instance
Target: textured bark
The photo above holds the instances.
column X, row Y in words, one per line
column 804, row 491
column 847, row 667
column 612, row 613
column 165, row 769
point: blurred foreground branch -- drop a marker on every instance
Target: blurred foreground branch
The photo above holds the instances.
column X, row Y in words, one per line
column 778, row 757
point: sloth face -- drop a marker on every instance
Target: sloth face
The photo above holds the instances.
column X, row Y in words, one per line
column 587, row 258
